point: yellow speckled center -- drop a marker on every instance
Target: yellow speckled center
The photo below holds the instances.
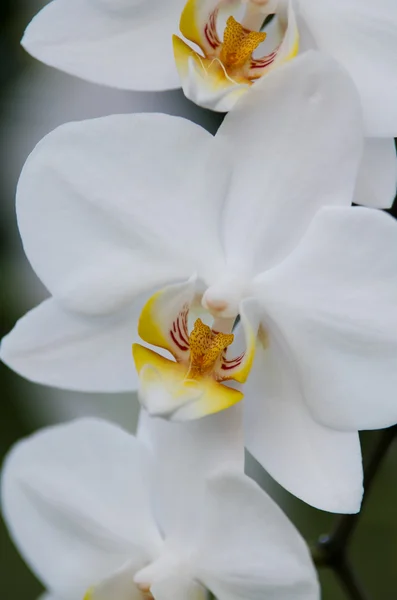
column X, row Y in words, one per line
column 205, row 349
column 239, row 43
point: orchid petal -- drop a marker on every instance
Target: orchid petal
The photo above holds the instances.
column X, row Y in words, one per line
column 123, row 45
column 109, row 229
column 182, row 462
column 249, row 549
column 85, row 509
column 319, row 465
column 335, row 301
column 377, row 178
column 55, row 347
column 288, row 160
column 362, row 36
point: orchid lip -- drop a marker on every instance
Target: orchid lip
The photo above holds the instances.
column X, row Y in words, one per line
column 195, row 381
column 230, row 61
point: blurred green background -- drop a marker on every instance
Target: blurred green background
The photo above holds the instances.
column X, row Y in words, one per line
column 33, row 100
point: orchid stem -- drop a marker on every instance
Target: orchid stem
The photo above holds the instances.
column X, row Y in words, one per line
column 331, row 550
column 348, row 581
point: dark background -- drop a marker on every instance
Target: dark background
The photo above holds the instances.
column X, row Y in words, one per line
column 33, row 100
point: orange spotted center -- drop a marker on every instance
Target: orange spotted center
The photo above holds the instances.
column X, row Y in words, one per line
column 205, row 349
column 239, row 43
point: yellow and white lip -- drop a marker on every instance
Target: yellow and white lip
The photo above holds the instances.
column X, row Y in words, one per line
column 194, row 381
column 226, row 66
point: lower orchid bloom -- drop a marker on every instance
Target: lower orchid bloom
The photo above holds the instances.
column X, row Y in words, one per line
column 229, row 45
column 136, row 221
column 101, row 515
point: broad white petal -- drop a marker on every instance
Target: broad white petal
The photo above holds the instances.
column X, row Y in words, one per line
column 91, row 354
column 335, row 302
column 377, row 177
column 123, row 44
column 76, row 506
column 288, row 159
column 184, row 454
column 362, row 36
column 249, row 548
column 319, row 465
column 112, row 207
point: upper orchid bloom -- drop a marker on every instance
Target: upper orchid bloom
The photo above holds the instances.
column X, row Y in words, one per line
column 101, row 515
column 128, row 44
column 149, row 222
column 237, row 42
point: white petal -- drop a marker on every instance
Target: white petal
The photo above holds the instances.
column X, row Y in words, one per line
column 124, row 45
column 249, row 548
column 184, row 454
column 377, row 177
column 335, row 302
column 288, row 159
column 112, row 207
column 319, row 465
column 76, row 506
column 362, row 36
column 59, row 348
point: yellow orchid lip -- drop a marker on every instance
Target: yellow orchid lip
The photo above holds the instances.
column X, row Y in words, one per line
column 192, row 383
column 223, row 69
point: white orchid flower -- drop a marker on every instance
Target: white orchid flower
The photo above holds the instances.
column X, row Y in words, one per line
column 228, row 48
column 127, row 44
column 101, row 515
column 151, row 212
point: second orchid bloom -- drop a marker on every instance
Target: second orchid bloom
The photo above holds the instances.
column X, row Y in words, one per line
column 240, row 255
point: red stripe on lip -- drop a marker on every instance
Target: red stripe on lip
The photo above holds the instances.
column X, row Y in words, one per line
column 229, row 367
column 183, row 348
column 233, row 360
column 209, row 38
column 181, row 337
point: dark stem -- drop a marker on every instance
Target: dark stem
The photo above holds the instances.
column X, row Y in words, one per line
column 331, row 550
column 349, row 582
column 345, row 526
